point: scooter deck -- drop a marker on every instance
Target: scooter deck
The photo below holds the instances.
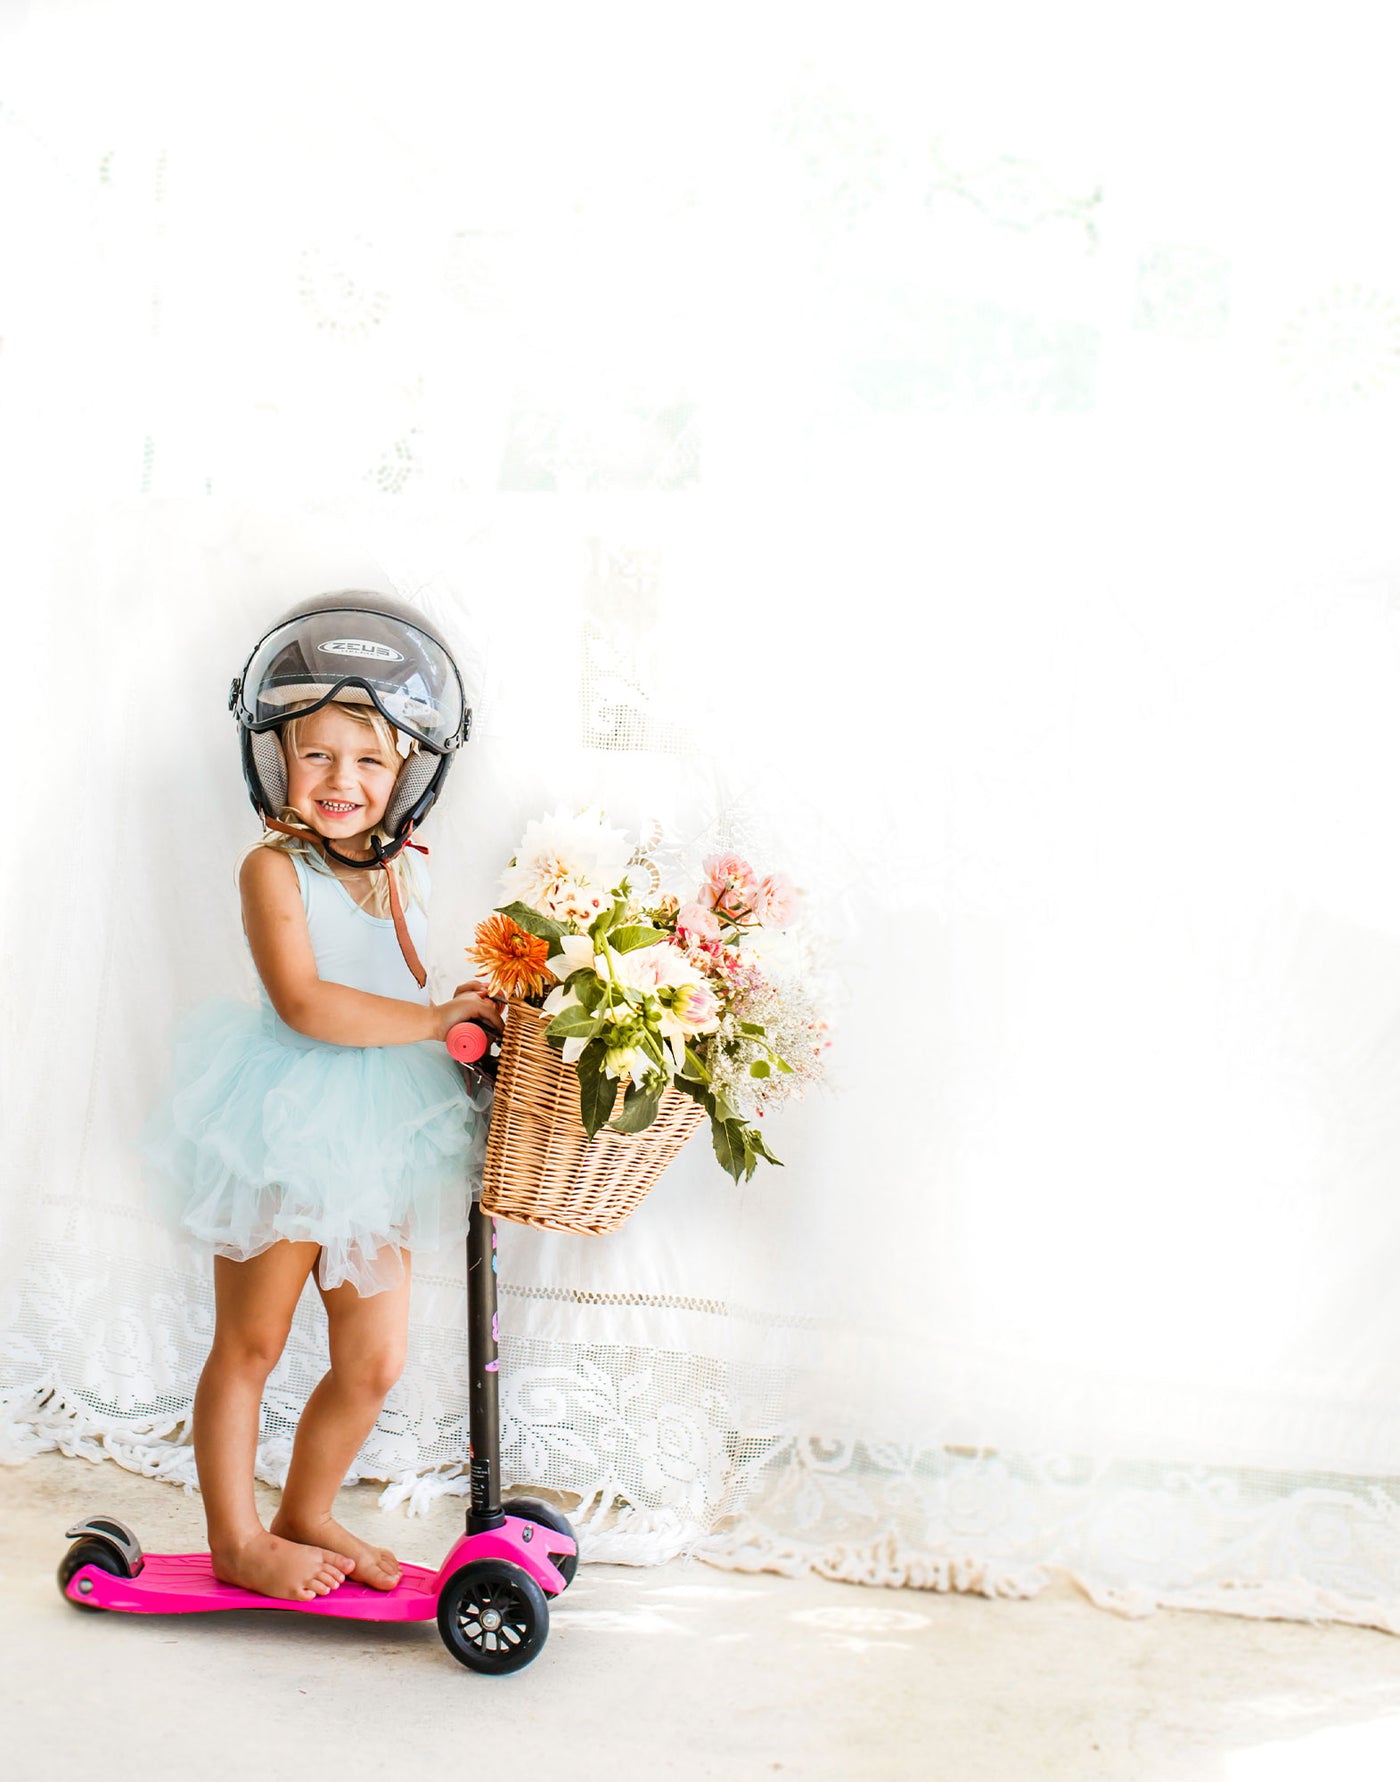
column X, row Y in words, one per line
column 183, row 1583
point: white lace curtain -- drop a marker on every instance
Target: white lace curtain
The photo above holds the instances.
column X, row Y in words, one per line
column 958, row 472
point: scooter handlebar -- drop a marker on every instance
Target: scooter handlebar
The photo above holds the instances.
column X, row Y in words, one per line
column 467, row 1041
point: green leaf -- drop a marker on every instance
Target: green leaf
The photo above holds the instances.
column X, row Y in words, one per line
column 570, row 1023
column 601, row 923
column 760, row 1149
column 697, row 1092
column 639, row 1108
column 628, row 939
column 724, row 1108
column 694, row 1071
column 596, row 1092
column 754, row 1027
column 532, row 921
column 728, row 1147
column 760, row 1068
column 587, row 988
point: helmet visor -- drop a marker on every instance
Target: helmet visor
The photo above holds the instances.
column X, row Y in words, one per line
column 364, row 656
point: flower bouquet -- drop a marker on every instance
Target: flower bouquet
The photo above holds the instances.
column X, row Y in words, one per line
column 612, row 986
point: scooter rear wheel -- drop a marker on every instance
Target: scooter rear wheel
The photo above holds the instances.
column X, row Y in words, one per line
column 492, row 1616
column 91, row 1550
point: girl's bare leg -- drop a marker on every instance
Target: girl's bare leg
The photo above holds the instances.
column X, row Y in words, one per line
column 368, row 1345
column 254, row 1303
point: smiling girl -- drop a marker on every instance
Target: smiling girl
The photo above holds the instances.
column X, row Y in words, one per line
column 323, row 1131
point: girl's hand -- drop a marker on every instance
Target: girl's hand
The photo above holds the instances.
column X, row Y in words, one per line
column 470, row 1002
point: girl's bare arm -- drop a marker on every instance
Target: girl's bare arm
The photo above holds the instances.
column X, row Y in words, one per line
column 275, row 923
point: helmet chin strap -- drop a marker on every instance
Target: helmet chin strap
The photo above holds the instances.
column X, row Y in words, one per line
column 381, row 856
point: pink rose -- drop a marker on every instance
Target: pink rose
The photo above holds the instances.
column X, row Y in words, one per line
column 777, row 900
column 731, row 886
column 696, row 920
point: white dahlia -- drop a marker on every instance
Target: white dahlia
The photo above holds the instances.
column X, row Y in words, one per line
column 567, row 866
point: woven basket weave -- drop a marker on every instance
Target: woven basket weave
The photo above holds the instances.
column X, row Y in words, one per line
column 542, row 1168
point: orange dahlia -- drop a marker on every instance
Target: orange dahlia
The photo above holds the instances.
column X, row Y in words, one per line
column 512, row 960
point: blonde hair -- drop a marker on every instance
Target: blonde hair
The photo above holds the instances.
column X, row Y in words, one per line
column 402, row 865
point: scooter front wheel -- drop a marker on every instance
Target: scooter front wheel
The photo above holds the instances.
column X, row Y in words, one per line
column 91, row 1550
column 530, row 1509
column 492, row 1616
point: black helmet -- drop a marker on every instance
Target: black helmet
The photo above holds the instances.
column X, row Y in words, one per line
column 353, row 646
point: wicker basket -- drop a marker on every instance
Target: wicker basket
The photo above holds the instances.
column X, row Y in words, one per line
column 542, row 1168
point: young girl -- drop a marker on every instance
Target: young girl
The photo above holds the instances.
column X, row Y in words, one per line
column 326, row 1128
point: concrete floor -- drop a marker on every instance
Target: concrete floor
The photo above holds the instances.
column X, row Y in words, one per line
column 676, row 1671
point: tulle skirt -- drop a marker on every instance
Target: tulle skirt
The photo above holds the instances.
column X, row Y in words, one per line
column 264, row 1134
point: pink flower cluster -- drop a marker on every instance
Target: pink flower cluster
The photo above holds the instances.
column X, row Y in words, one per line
column 733, row 892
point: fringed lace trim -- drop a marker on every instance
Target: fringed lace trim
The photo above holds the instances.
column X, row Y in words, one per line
column 613, row 1531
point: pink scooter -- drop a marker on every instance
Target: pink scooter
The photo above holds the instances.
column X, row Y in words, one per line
column 490, row 1595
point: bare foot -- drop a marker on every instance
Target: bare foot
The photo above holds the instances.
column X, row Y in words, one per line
column 373, row 1565
column 272, row 1566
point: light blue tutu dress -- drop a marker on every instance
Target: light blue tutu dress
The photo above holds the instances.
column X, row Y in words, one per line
column 263, row 1133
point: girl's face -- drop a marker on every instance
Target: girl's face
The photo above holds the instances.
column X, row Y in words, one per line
column 338, row 775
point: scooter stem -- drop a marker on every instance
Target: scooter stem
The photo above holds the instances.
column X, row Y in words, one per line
column 485, row 1511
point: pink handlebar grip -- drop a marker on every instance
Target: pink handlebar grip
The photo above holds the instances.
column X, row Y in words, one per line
column 467, row 1042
